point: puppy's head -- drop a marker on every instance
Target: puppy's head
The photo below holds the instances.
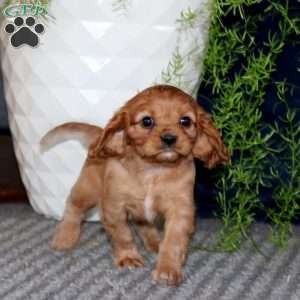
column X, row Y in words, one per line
column 163, row 124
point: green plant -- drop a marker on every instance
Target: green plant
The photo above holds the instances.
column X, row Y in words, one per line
column 287, row 193
column 238, row 72
column 121, row 5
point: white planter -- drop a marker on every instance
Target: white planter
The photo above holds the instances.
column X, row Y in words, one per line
column 90, row 60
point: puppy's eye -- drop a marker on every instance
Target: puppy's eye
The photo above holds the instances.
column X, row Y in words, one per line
column 147, row 122
column 185, row 121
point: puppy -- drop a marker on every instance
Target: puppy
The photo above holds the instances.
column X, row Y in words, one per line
column 141, row 167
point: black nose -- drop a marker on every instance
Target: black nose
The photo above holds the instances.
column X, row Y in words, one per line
column 168, row 139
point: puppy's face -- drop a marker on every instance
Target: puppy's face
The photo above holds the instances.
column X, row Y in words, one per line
column 163, row 124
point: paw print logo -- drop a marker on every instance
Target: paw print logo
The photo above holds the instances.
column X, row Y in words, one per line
column 24, row 33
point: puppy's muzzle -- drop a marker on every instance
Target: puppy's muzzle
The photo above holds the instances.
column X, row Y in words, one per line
column 168, row 139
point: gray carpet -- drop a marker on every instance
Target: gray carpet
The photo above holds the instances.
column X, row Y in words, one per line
column 30, row 270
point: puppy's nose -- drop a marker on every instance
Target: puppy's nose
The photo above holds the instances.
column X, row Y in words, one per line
column 168, row 139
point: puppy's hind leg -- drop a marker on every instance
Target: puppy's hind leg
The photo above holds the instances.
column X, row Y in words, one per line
column 150, row 236
column 84, row 195
column 67, row 232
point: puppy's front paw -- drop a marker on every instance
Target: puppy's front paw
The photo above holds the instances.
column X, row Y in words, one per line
column 129, row 260
column 168, row 273
column 66, row 236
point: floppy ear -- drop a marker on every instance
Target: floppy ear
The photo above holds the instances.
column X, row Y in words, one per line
column 209, row 146
column 113, row 141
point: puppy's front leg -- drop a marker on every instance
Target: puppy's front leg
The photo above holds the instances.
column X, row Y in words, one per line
column 179, row 226
column 125, row 253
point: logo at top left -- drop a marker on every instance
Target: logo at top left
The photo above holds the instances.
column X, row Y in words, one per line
column 24, row 27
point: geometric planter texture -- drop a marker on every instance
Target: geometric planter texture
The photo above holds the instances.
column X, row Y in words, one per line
column 90, row 59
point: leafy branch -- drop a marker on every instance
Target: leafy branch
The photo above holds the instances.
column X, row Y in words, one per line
column 239, row 66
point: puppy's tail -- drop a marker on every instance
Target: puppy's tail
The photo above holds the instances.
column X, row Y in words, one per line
column 86, row 134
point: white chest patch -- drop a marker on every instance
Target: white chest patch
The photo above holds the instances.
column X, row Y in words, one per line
column 149, row 178
column 148, row 208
